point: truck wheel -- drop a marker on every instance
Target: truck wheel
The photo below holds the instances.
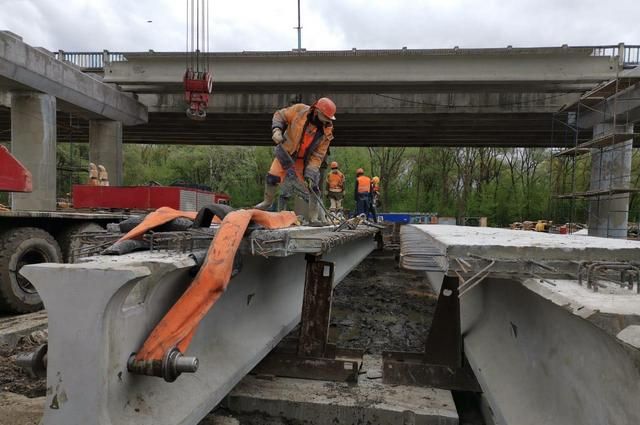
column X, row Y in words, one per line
column 70, row 244
column 19, row 247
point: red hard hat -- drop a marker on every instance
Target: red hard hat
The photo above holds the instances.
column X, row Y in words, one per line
column 334, row 164
column 327, row 107
column 359, row 171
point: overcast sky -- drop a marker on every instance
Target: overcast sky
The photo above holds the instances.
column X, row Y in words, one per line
column 121, row 25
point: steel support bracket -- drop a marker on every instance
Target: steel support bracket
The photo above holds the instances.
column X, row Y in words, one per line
column 442, row 364
column 310, row 356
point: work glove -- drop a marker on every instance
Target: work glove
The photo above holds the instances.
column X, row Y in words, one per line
column 311, row 178
column 310, row 184
column 276, row 136
column 291, row 173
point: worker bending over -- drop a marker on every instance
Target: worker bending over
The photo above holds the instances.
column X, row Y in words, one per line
column 335, row 188
column 302, row 135
column 362, row 192
column 374, row 198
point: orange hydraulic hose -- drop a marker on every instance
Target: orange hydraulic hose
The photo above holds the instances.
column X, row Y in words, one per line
column 157, row 218
column 178, row 326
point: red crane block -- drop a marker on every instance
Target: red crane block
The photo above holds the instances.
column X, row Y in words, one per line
column 197, row 88
column 14, row 177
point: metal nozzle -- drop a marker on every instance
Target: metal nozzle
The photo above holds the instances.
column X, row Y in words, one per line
column 35, row 362
column 172, row 365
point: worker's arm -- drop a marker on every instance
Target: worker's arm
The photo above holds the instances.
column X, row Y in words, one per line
column 283, row 117
column 355, row 191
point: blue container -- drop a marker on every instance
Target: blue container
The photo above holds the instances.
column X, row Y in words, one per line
column 396, row 217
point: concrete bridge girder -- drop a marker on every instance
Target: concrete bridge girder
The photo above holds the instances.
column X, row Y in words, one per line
column 26, row 68
column 536, row 69
column 121, row 299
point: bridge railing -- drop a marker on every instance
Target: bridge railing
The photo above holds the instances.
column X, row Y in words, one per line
column 629, row 56
column 90, row 61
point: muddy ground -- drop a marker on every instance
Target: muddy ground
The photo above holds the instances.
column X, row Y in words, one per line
column 377, row 307
column 12, row 379
column 380, row 307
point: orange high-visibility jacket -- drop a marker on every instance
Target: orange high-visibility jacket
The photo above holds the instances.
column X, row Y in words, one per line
column 335, row 181
column 363, row 184
column 292, row 121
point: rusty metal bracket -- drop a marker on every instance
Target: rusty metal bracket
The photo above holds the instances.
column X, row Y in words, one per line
column 311, row 356
column 403, row 368
column 442, row 364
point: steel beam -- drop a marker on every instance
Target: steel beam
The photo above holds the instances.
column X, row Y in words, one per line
column 102, row 311
column 441, row 365
column 313, row 356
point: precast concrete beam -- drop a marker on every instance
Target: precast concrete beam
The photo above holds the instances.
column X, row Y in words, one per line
column 103, row 310
column 105, row 148
column 33, row 143
column 25, row 68
column 539, row 69
column 544, row 349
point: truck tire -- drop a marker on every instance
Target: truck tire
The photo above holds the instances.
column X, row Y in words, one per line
column 70, row 244
column 19, row 247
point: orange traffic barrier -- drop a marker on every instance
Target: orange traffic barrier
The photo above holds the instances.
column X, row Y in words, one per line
column 178, row 326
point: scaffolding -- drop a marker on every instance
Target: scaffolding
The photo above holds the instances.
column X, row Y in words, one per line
column 590, row 196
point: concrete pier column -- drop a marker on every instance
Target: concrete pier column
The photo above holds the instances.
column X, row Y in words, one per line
column 610, row 168
column 33, row 142
column 105, row 147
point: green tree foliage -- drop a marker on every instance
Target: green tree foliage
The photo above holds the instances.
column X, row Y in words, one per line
column 503, row 184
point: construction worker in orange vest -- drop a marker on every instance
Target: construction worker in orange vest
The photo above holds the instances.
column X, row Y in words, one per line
column 302, row 135
column 374, row 198
column 362, row 192
column 335, row 187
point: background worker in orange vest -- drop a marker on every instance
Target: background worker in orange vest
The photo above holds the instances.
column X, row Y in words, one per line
column 375, row 198
column 362, row 192
column 335, row 187
column 302, row 134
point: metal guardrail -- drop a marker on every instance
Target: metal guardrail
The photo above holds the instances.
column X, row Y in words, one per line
column 629, row 56
column 88, row 61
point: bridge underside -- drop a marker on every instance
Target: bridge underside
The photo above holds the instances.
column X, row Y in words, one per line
column 362, row 129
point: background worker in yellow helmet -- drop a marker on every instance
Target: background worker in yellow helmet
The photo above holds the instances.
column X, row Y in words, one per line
column 374, row 198
column 302, row 135
column 362, row 192
column 335, row 188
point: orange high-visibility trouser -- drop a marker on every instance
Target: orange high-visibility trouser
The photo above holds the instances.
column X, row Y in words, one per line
column 277, row 169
